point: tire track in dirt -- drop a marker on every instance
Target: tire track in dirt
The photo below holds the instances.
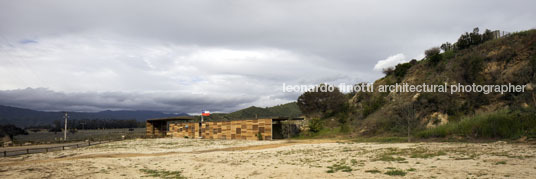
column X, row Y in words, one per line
column 126, row 155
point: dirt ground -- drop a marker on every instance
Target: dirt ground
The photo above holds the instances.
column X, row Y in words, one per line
column 193, row 158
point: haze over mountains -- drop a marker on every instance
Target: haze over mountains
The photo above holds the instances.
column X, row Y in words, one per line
column 26, row 117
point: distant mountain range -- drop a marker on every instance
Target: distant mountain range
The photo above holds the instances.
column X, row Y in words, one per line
column 26, row 117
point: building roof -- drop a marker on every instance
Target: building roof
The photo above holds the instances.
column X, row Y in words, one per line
column 173, row 118
column 287, row 118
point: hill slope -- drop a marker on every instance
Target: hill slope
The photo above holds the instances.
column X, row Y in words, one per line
column 283, row 110
column 510, row 59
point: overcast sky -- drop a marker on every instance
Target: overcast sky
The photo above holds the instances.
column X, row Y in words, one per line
column 183, row 56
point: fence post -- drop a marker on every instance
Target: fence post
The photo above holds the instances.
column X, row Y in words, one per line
column 76, row 145
column 63, row 147
column 5, row 153
column 27, row 151
column 46, row 149
column 88, row 143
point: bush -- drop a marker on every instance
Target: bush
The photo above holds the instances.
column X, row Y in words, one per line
column 472, row 66
column 395, row 173
column 11, row 130
column 413, row 61
column 316, row 125
column 448, row 54
column 533, row 66
column 322, row 100
column 433, row 55
column 401, row 70
column 446, row 46
column 500, row 124
column 388, row 71
column 431, row 52
column 440, row 102
column 373, row 104
column 474, row 38
column 259, row 136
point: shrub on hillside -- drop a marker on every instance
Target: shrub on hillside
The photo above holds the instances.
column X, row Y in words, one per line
column 533, row 66
column 401, row 70
column 472, row 66
column 324, row 102
column 431, row 52
column 433, row 55
column 413, row 61
column 438, row 102
column 474, row 38
column 449, row 54
column 446, row 46
column 500, row 124
column 372, row 104
column 388, row 71
column 316, row 125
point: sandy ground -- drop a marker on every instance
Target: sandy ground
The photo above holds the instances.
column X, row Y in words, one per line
column 13, row 148
column 192, row 158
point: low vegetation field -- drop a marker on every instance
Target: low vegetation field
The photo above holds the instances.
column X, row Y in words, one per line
column 81, row 135
column 319, row 158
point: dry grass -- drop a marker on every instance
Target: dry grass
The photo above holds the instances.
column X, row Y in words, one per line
column 175, row 158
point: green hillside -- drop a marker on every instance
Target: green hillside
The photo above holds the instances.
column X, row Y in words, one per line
column 475, row 58
column 283, row 110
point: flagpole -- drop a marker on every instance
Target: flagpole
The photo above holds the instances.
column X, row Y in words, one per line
column 201, row 123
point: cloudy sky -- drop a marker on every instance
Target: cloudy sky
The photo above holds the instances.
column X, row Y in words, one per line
column 183, row 56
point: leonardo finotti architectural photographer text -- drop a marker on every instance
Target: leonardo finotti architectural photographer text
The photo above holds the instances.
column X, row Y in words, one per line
column 409, row 88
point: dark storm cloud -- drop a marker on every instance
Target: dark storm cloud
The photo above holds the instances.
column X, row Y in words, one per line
column 45, row 99
column 224, row 48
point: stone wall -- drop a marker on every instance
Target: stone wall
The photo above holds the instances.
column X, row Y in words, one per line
column 237, row 129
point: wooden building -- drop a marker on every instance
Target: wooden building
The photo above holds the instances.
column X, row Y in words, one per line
column 248, row 129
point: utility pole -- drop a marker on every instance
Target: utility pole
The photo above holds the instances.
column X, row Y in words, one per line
column 65, row 129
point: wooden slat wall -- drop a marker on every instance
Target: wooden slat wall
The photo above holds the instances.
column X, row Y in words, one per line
column 153, row 129
column 149, row 128
column 238, row 129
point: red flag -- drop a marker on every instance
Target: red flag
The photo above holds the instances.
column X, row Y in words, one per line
column 205, row 113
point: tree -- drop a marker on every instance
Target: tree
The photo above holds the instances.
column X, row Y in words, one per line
column 446, row 46
column 463, row 42
column 408, row 113
column 413, row 61
column 388, row 71
column 475, row 37
column 405, row 116
column 56, row 127
column 323, row 99
column 488, row 35
column 433, row 54
column 11, row 130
